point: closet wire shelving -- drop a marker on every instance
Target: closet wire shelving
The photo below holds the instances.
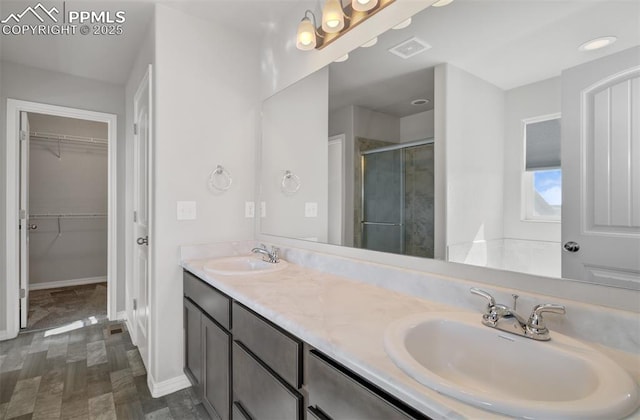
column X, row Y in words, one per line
column 67, row 139
column 60, row 216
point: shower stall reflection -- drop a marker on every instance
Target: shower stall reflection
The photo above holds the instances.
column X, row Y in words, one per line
column 396, row 197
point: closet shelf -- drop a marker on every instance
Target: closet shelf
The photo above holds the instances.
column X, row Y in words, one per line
column 59, row 139
column 68, row 216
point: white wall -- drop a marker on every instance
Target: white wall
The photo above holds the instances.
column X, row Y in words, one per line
column 206, row 113
column 534, row 100
column 341, row 122
column 375, row 125
column 73, row 182
column 417, row 126
column 295, row 138
column 36, row 85
column 474, row 124
column 144, row 57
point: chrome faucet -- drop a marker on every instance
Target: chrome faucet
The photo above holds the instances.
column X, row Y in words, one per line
column 271, row 256
column 504, row 318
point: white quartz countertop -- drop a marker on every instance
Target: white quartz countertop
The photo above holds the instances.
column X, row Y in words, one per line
column 346, row 320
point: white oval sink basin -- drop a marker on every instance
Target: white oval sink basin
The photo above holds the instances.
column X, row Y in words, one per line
column 243, row 265
column 454, row 354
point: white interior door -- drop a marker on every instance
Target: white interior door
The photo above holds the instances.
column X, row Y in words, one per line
column 601, row 170
column 25, row 226
column 142, row 117
column 336, row 187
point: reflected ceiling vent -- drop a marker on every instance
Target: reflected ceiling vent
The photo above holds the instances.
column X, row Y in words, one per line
column 410, row 47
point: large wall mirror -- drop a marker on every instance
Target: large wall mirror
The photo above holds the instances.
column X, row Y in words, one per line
column 490, row 133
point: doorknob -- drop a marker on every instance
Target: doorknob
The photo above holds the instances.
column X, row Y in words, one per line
column 572, row 246
column 33, row 227
column 143, row 241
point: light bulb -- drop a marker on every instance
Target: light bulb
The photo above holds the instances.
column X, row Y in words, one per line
column 363, row 5
column 332, row 17
column 306, row 39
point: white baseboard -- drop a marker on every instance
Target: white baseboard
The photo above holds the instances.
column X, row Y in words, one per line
column 4, row 335
column 160, row 389
column 122, row 316
column 67, row 283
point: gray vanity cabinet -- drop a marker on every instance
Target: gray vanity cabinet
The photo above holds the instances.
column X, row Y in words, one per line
column 193, row 344
column 337, row 393
column 208, row 345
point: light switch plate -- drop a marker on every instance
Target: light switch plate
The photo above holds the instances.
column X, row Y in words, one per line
column 186, row 210
column 249, row 209
column 263, row 209
column 311, row 209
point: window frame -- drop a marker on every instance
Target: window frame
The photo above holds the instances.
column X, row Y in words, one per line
column 527, row 178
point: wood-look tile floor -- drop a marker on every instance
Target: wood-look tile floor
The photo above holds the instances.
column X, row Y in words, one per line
column 92, row 372
column 50, row 308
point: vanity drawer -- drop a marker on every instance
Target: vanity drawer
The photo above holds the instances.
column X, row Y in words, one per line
column 214, row 303
column 258, row 393
column 337, row 393
column 276, row 348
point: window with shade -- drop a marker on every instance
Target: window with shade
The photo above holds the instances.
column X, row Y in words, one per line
column 542, row 170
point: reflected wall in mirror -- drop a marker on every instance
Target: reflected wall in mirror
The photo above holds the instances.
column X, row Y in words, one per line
column 484, row 134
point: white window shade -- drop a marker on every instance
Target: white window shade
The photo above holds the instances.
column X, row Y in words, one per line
column 543, row 145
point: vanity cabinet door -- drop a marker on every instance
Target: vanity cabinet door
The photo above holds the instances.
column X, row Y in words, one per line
column 337, row 393
column 258, row 393
column 193, row 345
column 216, row 355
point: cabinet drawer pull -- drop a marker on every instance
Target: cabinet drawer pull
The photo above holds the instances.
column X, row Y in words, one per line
column 319, row 414
column 242, row 410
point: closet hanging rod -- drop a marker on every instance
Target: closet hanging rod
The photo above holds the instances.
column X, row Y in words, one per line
column 36, row 135
column 68, row 216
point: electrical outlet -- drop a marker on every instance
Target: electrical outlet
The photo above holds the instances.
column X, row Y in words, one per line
column 263, row 209
column 249, row 209
column 186, row 210
column 311, row 209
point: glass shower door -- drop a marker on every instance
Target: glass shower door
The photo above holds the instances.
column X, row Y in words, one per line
column 382, row 201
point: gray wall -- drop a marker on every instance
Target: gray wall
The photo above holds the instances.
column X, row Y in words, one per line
column 36, row 85
column 73, row 182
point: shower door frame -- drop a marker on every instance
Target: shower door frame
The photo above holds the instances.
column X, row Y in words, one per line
column 401, row 225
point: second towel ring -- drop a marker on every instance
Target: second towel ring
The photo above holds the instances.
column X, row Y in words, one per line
column 290, row 183
column 220, row 179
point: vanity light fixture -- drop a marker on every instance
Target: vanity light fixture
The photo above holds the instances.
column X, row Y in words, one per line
column 597, row 43
column 363, row 5
column 336, row 21
column 332, row 17
column 306, row 38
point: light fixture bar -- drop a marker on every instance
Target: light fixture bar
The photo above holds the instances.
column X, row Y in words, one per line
column 351, row 19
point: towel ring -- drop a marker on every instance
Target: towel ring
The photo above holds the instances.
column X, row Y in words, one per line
column 290, row 183
column 220, row 179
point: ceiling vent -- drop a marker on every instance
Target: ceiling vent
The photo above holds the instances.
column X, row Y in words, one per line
column 409, row 48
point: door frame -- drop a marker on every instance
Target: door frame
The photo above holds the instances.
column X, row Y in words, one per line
column 12, row 273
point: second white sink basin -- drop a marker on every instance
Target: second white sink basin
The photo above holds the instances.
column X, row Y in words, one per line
column 454, row 354
column 243, row 265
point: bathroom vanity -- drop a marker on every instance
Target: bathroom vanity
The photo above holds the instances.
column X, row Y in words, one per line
column 245, row 367
column 306, row 343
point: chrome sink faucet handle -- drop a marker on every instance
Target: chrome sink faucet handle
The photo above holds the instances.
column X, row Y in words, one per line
column 536, row 325
column 275, row 254
column 491, row 302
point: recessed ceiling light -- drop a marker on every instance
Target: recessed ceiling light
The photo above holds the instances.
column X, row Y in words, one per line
column 597, row 43
column 370, row 43
column 441, row 3
column 418, row 102
column 341, row 59
column 403, row 24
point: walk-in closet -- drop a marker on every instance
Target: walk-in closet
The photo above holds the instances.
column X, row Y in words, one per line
column 67, row 223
